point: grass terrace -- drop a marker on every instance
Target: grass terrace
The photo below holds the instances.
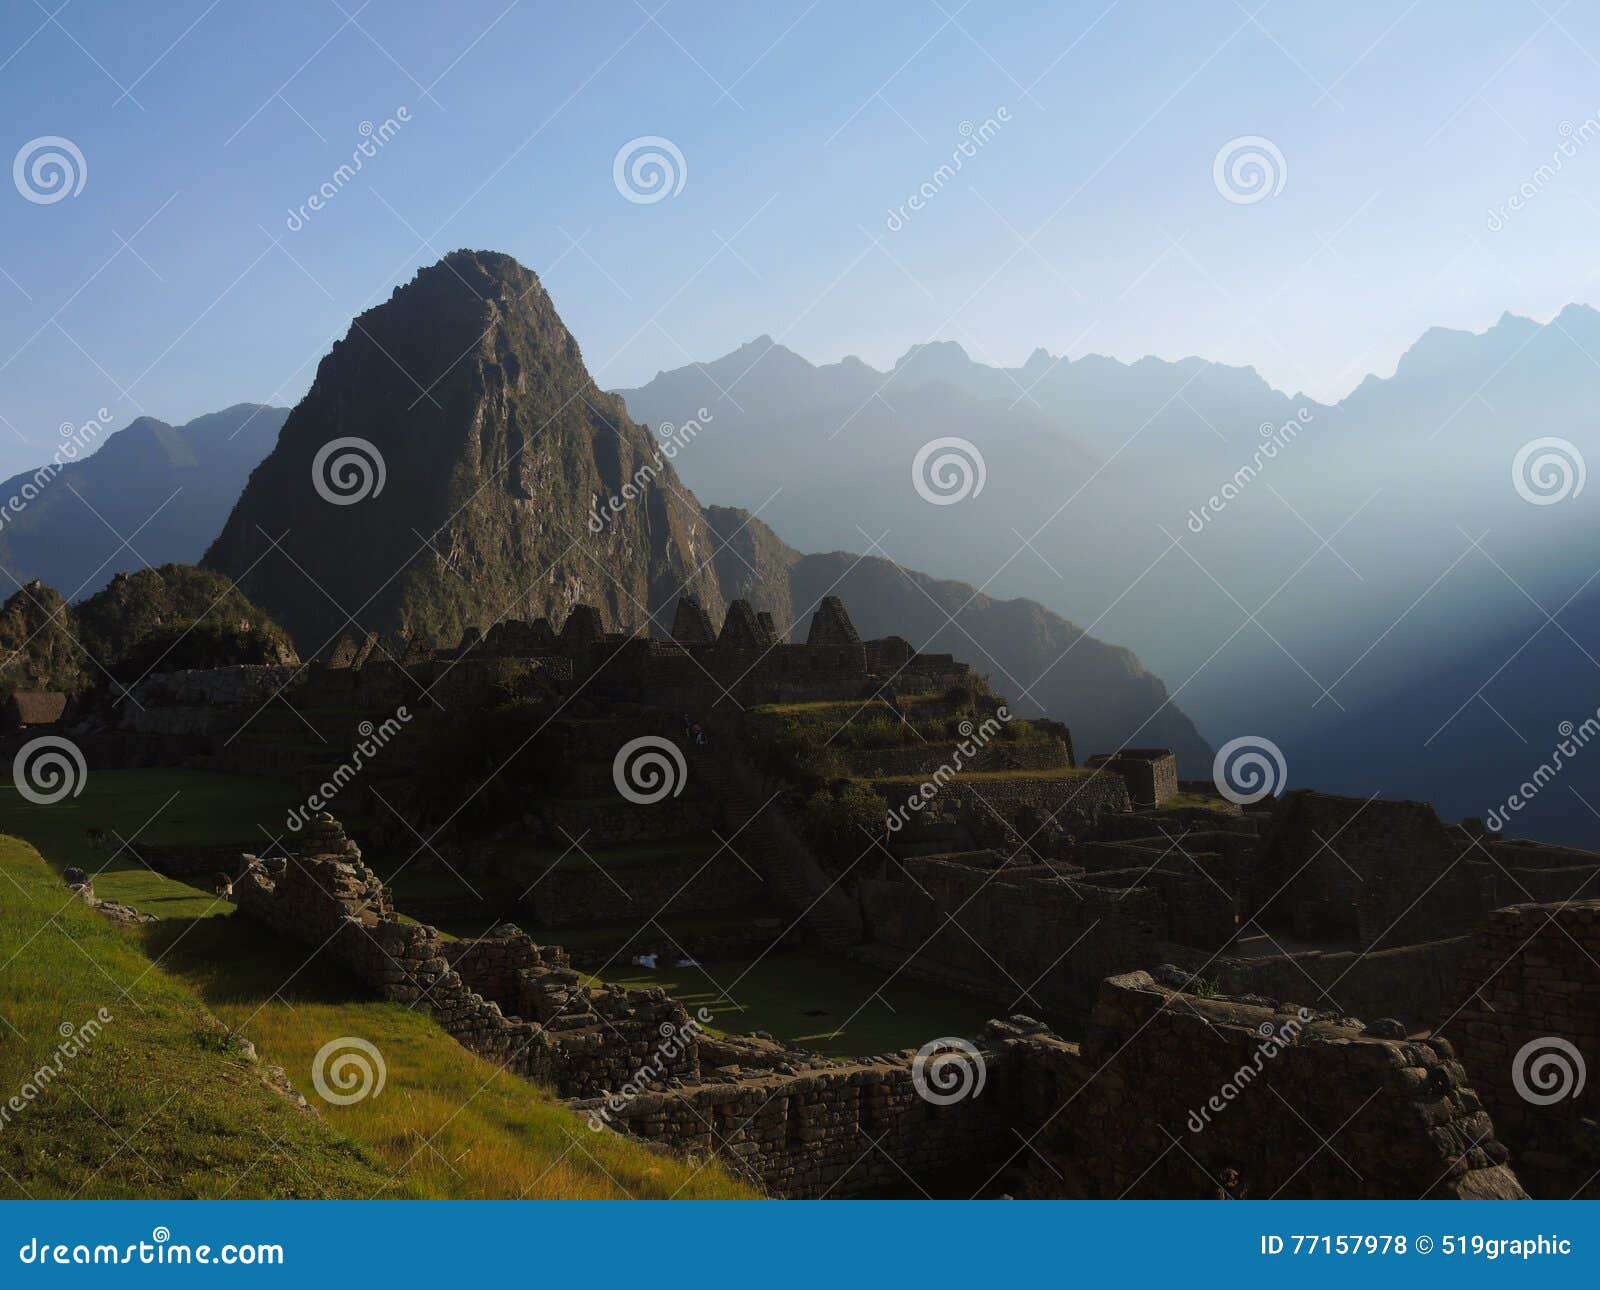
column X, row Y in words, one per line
column 993, row 776
column 834, row 1006
column 150, row 809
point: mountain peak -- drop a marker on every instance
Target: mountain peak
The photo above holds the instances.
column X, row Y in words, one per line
column 451, row 442
column 936, row 352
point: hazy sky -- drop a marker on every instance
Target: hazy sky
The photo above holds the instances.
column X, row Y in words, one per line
column 1088, row 219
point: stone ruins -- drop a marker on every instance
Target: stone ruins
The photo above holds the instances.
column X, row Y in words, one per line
column 1313, row 996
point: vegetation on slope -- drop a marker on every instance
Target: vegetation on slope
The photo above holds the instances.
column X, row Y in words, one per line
column 162, row 619
column 157, row 1103
column 174, row 617
column 446, row 1123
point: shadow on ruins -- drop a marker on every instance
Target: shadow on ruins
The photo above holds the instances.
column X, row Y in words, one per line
column 1143, row 942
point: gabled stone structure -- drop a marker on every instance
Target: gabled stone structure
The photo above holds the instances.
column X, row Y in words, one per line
column 583, row 627
column 345, row 652
column 365, row 650
column 515, row 638
column 691, row 625
column 830, row 625
column 741, row 629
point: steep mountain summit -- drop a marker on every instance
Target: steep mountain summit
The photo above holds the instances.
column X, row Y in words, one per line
column 454, row 464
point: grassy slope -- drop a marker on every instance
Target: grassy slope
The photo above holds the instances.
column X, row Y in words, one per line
column 445, row 1124
column 158, row 1106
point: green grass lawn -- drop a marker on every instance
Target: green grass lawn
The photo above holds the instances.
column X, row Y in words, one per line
column 833, row 1006
column 1179, row 801
column 150, row 808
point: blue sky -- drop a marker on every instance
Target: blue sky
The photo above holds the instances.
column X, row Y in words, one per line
column 1089, row 221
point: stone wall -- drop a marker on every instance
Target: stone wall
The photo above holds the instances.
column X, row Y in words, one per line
column 1384, row 873
column 207, row 701
column 840, row 1130
column 1527, row 1012
column 1022, row 935
column 575, row 1040
column 1151, row 773
column 790, row 1121
column 1413, row 983
column 1130, row 1113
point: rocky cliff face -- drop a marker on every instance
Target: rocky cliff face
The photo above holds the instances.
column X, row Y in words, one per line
column 453, row 465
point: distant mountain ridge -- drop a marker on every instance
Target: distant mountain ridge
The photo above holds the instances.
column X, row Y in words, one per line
column 1336, row 595
column 150, row 492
